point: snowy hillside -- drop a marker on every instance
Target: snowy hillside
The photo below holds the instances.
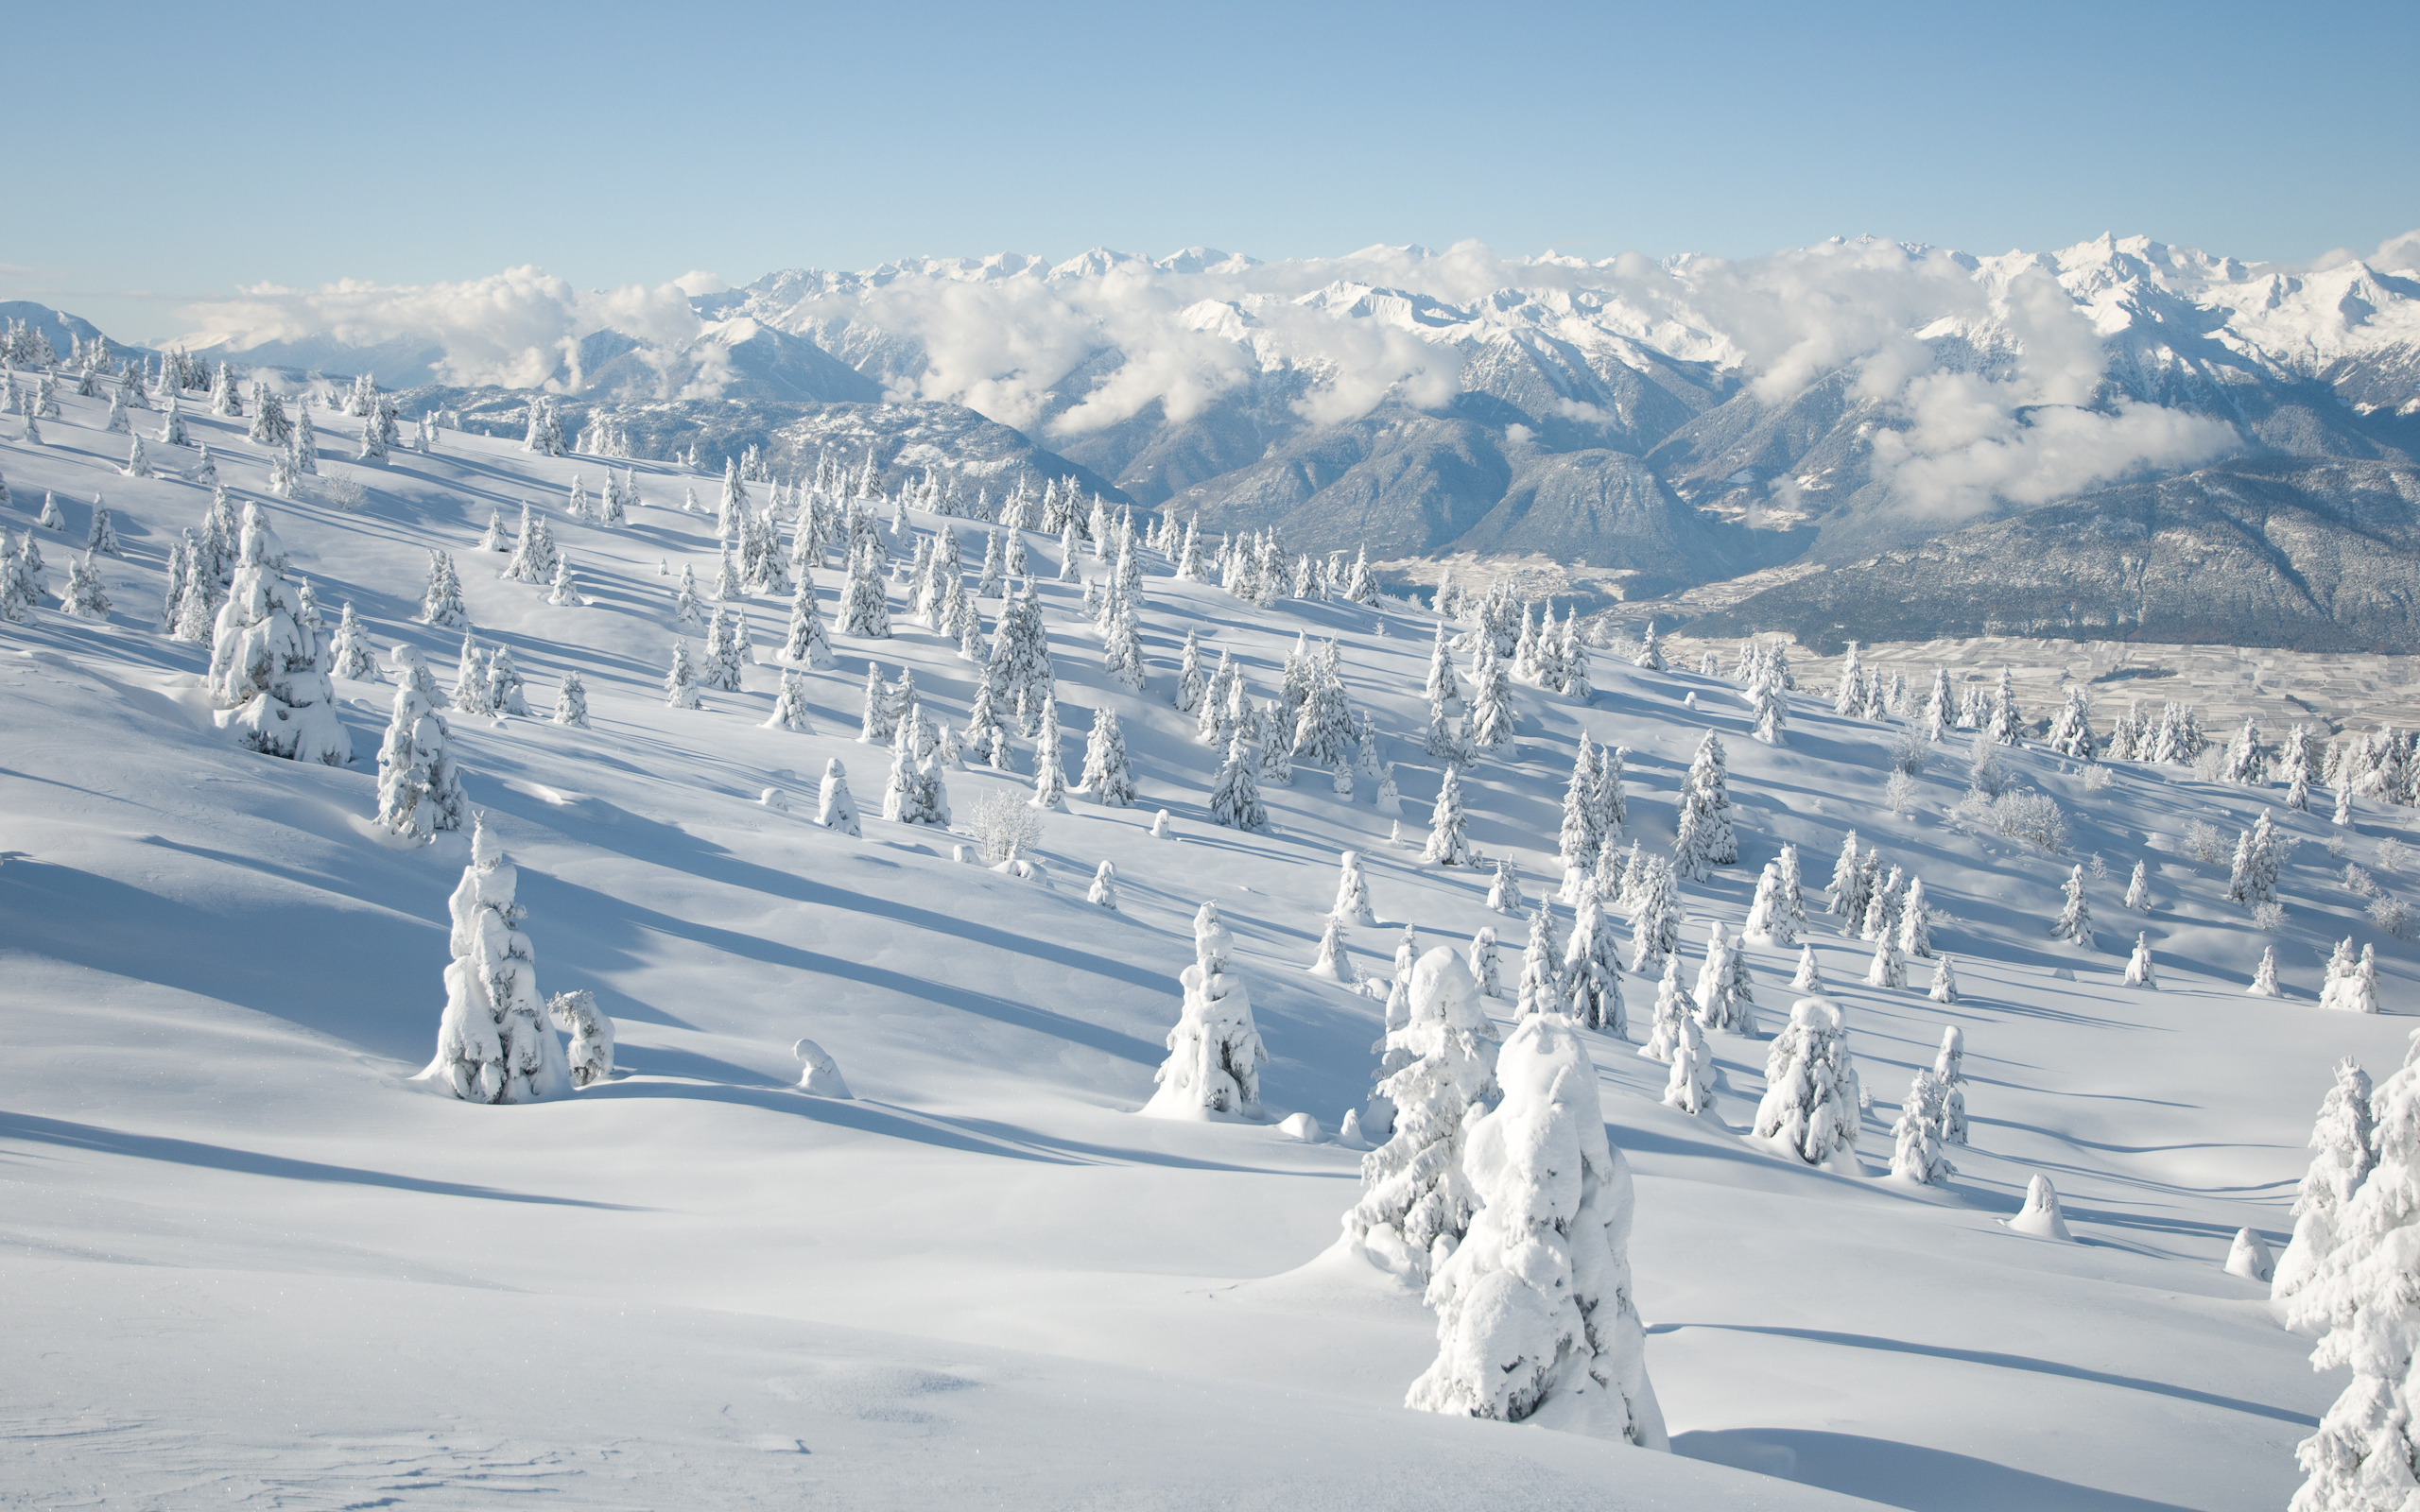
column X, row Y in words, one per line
column 253, row 1255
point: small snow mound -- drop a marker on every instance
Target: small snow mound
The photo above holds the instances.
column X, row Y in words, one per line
column 823, row 1077
column 1348, row 1133
column 2248, row 1258
column 1160, row 828
column 1024, row 870
column 1306, row 1129
column 962, row 852
column 2040, row 1215
column 772, row 798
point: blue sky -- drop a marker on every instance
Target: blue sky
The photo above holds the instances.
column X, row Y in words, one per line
column 163, row 155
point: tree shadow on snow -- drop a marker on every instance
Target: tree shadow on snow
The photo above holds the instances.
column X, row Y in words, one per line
column 2005, row 1362
column 864, row 1118
column 1897, row 1474
column 93, row 1137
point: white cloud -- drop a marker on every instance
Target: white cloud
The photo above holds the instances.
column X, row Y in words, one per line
column 697, row 281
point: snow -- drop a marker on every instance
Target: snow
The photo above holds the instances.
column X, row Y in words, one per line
column 233, row 1219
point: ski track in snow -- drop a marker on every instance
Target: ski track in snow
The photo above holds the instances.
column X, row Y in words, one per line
column 248, row 1261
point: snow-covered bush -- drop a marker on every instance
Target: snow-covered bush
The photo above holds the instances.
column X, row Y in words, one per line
column 1810, row 1102
column 590, row 1055
column 1917, row 1138
column 2204, row 843
column 2041, row 1216
column 1690, row 1087
column 835, row 809
column 2393, row 914
column 2031, row 818
column 1899, row 794
column 1909, row 753
column 493, row 1044
column 1986, row 776
column 2340, row 1142
column 1535, row 1319
column 1214, row 1054
column 1003, row 824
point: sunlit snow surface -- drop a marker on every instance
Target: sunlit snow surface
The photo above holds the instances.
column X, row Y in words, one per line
column 248, row 1261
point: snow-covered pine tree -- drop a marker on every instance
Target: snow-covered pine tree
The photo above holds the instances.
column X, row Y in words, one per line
column 1810, row 1102
column 1650, row 652
column 2344, row 1142
column 681, row 679
column 1416, row 1203
column 1916, row 928
column 1808, row 979
column 2264, row 978
column 1108, row 777
column 2006, row 722
column 1848, row 694
column 1943, row 987
column 1448, row 826
column 1706, row 818
column 2296, row 767
column 101, row 540
column 2252, row 879
column 590, row 1055
column 1673, row 1007
column 2074, row 923
column 2354, row 989
column 1235, row 791
column 1541, row 985
column 265, row 677
column 505, row 694
column 1103, row 892
column 494, row 1044
column 1443, row 686
column 1889, row 969
column 419, row 790
column 1504, row 892
column 865, row 604
column 1535, row 1317
column 1654, row 917
column 1331, row 963
column 1580, row 838
column 471, row 680
column 1768, row 921
column 1492, row 719
column 2139, row 886
column 2139, row 971
column 1214, row 1054
column 1917, row 1152
column 571, row 701
column 1592, row 972
column 1352, row 905
column 1049, row 772
column 835, row 809
column 789, row 707
column 84, row 598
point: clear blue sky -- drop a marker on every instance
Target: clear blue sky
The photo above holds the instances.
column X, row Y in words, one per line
column 161, row 154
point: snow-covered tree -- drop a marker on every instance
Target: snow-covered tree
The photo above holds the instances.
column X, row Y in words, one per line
column 1690, row 1087
column 1810, row 1102
column 1541, row 987
column 1943, row 987
column 681, row 679
column 1416, row 1201
column 442, row 606
column 1580, row 838
column 571, row 702
column 1049, row 772
column 505, row 694
column 1768, row 921
column 1654, row 919
column 789, row 707
column 1915, row 929
column 1448, row 840
column 494, row 1045
column 1235, row 791
column 420, row 792
column 2253, row 878
column 2343, row 1143
column 590, row 1055
column 1808, row 978
column 2139, row 971
column 1718, row 1007
column 1535, row 1317
column 349, row 653
column 835, row 809
column 2006, row 722
column 1504, row 893
column 1848, row 892
column 1650, row 652
column 1673, row 1007
column 1704, row 837
column 2353, row 986
column 84, row 597
column 1352, row 905
column 2074, row 923
column 265, row 673
column 1108, row 777
column 1214, row 1054
column 1331, row 963
column 1492, row 719
column 1592, row 972
column 101, row 540
column 1917, row 1145
column 1482, row 963
column 2264, row 978
column 1889, row 967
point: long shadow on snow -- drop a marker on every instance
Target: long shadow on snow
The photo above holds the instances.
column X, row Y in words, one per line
column 1126, row 1155
column 863, row 1117
column 601, row 906
column 1897, row 1474
column 2005, row 1362
column 651, row 840
column 250, row 1162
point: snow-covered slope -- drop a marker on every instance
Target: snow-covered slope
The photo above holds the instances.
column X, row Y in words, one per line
column 249, row 1257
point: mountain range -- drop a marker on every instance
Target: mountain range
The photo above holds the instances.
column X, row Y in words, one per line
column 1894, row 415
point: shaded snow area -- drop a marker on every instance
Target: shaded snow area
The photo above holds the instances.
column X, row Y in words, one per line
column 252, row 1258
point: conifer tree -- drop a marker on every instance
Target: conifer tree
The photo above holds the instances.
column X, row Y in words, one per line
column 419, row 790
column 681, row 680
column 1808, row 978
column 835, row 809
column 1655, row 918
column 1581, row 837
column 496, row 538
column 865, row 606
column 1504, row 893
column 493, row 1042
column 1443, row 687
column 266, row 678
column 1917, row 1154
column 2253, row 878
column 1810, row 1102
column 2354, row 989
column 1492, row 719
column 1482, row 963
column 2139, row 886
column 1673, row 1007
column 2264, row 979
column 102, row 540
column 1889, row 969
column 2344, row 1142
column 83, row 598
column 1916, row 928
column 534, row 552
column 1592, row 966
column 1945, row 982
column 1108, row 777
column 789, row 707
column 1690, row 1087
column 1049, row 773
column 1352, row 905
column 2139, row 971
column 1214, row 1054
column 503, row 694
column 2074, row 923
column 687, row 607
column 571, row 702
column 1234, row 792
column 1768, row 921
column 1535, row 1317
column 1541, row 985
column 1415, row 1198
column 1448, row 842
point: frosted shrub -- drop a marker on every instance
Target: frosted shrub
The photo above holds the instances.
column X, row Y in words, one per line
column 2211, row 764
column 2360, row 883
column 2096, row 780
column 2032, row 818
column 1986, row 776
column 1899, row 794
column 2270, row 916
column 1004, row 823
column 1909, row 753
column 2204, row 842
column 2393, row 914
column 592, row 1034
column 341, row 492
column 2390, row 854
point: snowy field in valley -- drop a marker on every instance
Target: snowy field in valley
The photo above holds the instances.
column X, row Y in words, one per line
column 251, row 1260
